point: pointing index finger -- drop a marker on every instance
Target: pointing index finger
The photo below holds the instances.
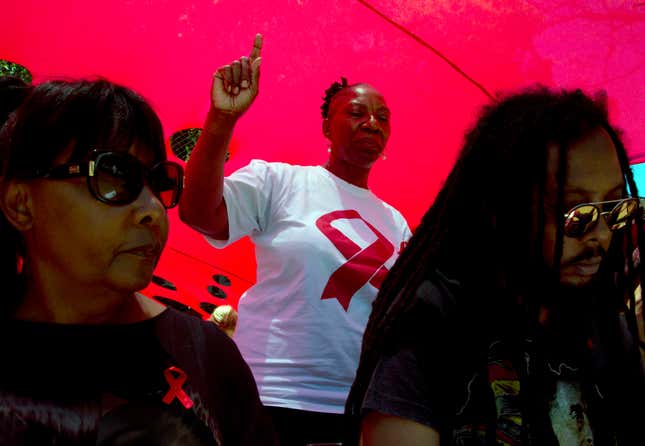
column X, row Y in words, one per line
column 257, row 47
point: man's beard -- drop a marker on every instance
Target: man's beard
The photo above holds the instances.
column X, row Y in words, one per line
column 571, row 304
column 569, row 324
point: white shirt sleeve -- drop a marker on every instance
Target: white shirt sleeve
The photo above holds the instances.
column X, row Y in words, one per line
column 247, row 193
column 406, row 231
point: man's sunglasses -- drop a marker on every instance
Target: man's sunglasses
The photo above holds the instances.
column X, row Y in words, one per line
column 118, row 178
column 583, row 217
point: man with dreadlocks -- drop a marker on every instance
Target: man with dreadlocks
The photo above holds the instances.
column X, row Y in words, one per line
column 324, row 243
column 508, row 319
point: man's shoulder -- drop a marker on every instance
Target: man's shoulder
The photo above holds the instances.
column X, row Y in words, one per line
column 439, row 293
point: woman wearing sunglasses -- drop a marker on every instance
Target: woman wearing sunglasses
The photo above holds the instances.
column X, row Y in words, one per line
column 509, row 317
column 323, row 244
column 84, row 191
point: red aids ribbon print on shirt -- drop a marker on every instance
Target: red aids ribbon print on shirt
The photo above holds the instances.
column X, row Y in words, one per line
column 363, row 264
column 176, row 377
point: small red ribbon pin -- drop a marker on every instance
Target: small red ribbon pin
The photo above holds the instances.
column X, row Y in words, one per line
column 176, row 377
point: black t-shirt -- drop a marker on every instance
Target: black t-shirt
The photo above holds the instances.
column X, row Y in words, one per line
column 172, row 379
column 434, row 374
column 414, row 377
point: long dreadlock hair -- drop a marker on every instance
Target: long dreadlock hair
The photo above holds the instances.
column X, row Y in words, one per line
column 485, row 228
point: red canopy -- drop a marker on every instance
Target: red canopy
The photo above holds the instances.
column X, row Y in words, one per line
column 434, row 79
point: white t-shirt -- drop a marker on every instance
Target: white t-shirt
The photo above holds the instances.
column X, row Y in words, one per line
column 323, row 246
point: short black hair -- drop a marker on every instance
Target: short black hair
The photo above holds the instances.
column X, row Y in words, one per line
column 83, row 115
column 333, row 89
column 13, row 92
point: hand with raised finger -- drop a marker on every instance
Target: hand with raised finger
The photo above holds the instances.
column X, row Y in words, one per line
column 236, row 85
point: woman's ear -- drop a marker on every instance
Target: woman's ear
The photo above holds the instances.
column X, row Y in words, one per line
column 325, row 128
column 16, row 204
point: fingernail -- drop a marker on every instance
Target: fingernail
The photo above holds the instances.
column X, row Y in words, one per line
column 228, row 88
column 245, row 84
column 236, row 90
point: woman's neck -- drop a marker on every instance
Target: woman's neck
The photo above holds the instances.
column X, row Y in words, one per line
column 357, row 176
column 86, row 307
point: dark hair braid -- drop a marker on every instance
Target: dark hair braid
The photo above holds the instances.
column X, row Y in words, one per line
column 330, row 93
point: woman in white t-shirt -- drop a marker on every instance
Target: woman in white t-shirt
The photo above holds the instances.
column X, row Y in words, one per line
column 324, row 242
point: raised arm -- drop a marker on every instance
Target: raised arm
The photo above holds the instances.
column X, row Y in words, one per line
column 234, row 89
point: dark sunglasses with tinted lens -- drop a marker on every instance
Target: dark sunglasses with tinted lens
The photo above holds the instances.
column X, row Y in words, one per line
column 583, row 217
column 118, row 178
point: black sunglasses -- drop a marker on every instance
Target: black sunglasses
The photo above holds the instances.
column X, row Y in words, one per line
column 118, row 178
column 583, row 217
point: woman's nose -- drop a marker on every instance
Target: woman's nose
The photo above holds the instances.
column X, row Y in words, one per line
column 371, row 122
column 150, row 209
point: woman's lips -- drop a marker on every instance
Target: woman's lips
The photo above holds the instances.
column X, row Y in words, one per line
column 370, row 143
column 147, row 252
